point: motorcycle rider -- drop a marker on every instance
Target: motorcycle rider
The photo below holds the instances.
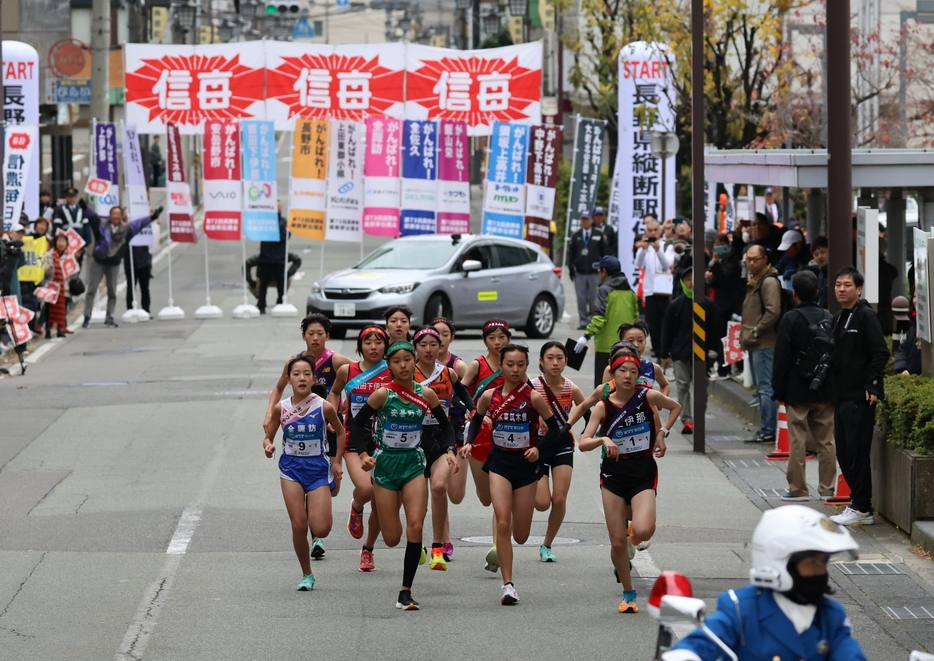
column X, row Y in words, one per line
column 783, row 614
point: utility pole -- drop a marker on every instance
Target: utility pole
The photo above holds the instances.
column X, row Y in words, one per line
column 839, row 137
column 701, row 326
column 100, row 60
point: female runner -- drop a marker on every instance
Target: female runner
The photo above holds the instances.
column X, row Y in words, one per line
column 514, row 409
column 398, row 464
column 432, row 373
column 561, row 394
column 624, row 424
column 307, row 475
column 649, row 373
column 398, row 322
column 356, row 382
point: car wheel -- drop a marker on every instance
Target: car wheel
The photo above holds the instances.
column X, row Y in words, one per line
column 437, row 306
column 541, row 318
column 338, row 333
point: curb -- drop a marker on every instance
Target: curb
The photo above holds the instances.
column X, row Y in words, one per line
column 922, row 534
column 736, row 397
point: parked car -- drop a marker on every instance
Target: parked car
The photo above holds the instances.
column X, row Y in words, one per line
column 464, row 277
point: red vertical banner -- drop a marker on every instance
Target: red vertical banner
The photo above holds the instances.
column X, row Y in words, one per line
column 222, row 188
column 542, row 179
column 181, row 214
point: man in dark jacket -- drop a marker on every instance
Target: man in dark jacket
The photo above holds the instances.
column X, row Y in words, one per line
column 587, row 247
column 821, row 254
column 856, row 369
column 141, row 275
column 767, row 235
column 72, row 215
column 806, row 409
column 271, row 266
column 796, row 255
column 609, row 233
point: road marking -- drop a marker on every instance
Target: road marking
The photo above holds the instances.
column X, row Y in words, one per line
column 140, row 631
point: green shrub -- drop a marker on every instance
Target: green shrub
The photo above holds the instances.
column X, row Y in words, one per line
column 906, row 415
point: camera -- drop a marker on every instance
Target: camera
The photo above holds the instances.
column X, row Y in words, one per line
column 652, row 239
column 820, row 376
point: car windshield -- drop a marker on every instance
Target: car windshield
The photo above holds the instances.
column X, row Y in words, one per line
column 410, row 255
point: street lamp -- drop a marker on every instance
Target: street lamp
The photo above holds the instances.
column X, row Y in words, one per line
column 405, row 23
column 491, row 23
column 249, row 9
column 229, row 30
column 185, row 14
column 520, row 9
column 664, row 145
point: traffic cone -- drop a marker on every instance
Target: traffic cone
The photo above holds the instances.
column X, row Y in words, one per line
column 782, row 442
column 841, row 496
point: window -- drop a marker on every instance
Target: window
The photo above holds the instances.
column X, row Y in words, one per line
column 514, row 255
column 409, row 255
column 482, row 254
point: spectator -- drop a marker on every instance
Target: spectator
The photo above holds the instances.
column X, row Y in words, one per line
column 72, row 215
column 33, row 272
column 724, row 278
column 796, row 257
column 155, row 162
column 46, row 208
column 616, row 305
column 271, row 266
column 678, row 342
column 587, row 248
column 668, row 232
column 773, row 210
column 110, row 242
column 908, row 356
column 56, row 312
column 766, row 235
column 796, row 357
column 656, row 282
column 609, row 232
column 141, row 275
column 856, row 369
column 11, row 259
column 821, row 257
column 888, row 274
column 762, row 308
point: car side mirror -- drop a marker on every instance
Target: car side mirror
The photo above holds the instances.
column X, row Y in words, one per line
column 471, row 265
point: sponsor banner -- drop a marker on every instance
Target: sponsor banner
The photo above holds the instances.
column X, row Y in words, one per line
column 504, row 197
column 260, row 213
column 223, row 190
column 21, row 71
column 345, row 182
column 541, row 178
column 105, row 159
column 20, row 148
column 454, row 179
column 189, row 84
column 382, row 170
column 588, row 157
column 477, row 87
column 613, row 207
column 347, row 82
column 308, row 183
column 181, row 213
column 645, row 82
column 419, row 178
column 135, row 181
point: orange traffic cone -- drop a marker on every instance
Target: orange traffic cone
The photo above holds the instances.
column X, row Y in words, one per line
column 841, row 496
column 782, row 443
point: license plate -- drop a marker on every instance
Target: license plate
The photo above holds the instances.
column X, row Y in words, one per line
column 345, row 309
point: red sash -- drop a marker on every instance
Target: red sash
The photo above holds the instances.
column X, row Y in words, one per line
column 409, row 396
column 494, row 415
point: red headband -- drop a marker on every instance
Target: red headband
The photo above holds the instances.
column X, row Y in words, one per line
column 375, row 329
column 491, row 326
column 625, row 358
column 422, row 332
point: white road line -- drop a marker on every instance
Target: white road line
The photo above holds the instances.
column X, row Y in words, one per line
column 140, row 631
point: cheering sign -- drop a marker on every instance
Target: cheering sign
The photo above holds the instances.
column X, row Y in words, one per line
column 732, row 349
column 97, row 186
column 48, row 294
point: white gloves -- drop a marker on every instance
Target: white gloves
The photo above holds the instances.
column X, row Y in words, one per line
column 581, row 344
column 680, row 655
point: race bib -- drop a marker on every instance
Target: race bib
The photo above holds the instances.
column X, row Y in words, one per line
column 302, row 448
column 637, row 438
column 402, row 435
column 357, row 400
column 512, row 435
column 430, row 417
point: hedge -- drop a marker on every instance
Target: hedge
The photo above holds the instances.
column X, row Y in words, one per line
column 906, row 415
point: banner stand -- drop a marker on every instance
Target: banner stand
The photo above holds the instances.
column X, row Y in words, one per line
column 171, row 312
column 245, row 310
column 285, row 309
column 567, row 221
column 208, row 311
column 134, row 315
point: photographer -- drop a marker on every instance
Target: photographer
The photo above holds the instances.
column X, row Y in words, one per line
column 656, row 261
column 801, row 349
column 856, row 371
column 11, row 258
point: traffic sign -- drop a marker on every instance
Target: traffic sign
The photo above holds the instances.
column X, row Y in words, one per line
column 303, row 29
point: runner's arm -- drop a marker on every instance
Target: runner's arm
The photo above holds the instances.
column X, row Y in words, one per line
column 586, row 405
column 331, row 417
column 578, row 398
column 554, row 427
column 340, row 380
column 663, row 383
column 461, row 368
column 271, row 427
column 447, row 429
column 477, row 421
column 470, row 375
column 588, row 440
column 361, row 431
column 276, row 394
column 462, row 397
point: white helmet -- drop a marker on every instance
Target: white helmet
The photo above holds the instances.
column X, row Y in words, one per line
column 792, row 529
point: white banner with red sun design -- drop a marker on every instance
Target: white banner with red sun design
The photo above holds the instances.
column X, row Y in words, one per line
column 282, row 82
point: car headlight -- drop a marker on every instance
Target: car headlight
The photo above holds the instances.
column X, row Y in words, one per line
column 399, row 289
column 316, row 288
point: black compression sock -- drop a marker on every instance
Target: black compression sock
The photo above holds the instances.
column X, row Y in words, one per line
column 437, row 545
column 368, row 549
column 413, row 553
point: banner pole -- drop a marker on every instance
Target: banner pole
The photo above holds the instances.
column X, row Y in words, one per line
column 246, row 300
column 132, row 282
column 206, row 311
column 567, row 221
column 171, row 312
column 207, row 275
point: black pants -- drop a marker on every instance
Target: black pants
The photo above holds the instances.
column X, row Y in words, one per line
column 853, row 424
column 268, row 274
column 143, row 275
column 655, row 306
column 600, row 361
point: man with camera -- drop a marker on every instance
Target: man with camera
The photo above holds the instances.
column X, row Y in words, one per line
column 856, row 372
column 656, row 261
column 799, row 380
column 762, row 309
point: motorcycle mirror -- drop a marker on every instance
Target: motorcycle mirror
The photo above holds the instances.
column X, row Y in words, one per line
column 681, row 610
column 668, row 583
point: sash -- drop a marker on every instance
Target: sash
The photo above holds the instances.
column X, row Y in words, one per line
column 439, row 370
column 363, row 377
column 293, row 413
column 628, row 408
column 409, row 396
column 553, row 402
column 494, row 416
column 483, row 385
column 323, row 358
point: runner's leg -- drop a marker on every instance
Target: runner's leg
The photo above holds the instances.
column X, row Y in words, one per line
column 415, row 503
column 388, row 504
column 481, row 480
column 614, row 509
column 294, row 495
column 643, row 516
column 543, row 494
column 502, row 496
column 559, row 501
column 457, row 482
column 440, row 471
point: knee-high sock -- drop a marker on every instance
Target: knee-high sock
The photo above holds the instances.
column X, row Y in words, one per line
column 413, row 553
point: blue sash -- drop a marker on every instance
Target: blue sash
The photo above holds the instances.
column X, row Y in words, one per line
column 363, row 377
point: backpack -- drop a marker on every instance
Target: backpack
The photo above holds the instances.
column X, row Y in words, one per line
column 817, row 342
column 787, row 298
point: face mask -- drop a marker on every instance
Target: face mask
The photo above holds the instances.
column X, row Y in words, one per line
column 687, row 292
column 807, row 590
column 746, row 237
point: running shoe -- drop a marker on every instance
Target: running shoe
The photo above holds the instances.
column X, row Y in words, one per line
column 643, row 546
column 492, row 561
column 366, row 561
column 852, row 517
column 355, row 523
column 438, row 563
column 406, row 602
column 510, row 596
column 789, row 497
column 688, row 428
column 448, row 550
column 308, row 583
column 630, row 547
column 546, row 555
column 317, row 549
column 629, row 602
column 424, row 556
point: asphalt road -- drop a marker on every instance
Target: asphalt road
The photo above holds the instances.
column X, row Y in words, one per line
column 139, row 518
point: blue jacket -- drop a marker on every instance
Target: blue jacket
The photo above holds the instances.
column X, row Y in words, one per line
column 767, row 633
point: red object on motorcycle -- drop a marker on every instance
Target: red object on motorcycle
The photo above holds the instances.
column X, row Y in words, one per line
column 668, row 583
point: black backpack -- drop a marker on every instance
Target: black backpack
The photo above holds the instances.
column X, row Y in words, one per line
column 817, row 341
column 788, row 299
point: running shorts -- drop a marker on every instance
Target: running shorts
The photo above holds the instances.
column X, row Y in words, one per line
column 630, row 477
column 311, row 472
column 513, row 466
column 396, row 468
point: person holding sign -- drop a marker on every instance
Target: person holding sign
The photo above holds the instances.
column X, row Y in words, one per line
column 624, row 425
column 55, row 278
column 398, row 464
column 307, row 475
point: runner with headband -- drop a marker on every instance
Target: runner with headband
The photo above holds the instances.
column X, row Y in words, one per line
column 650, row 374
column 356, row 382
column 316, row 331
column 398, row 322
column 443, row 380
column 514, row 410
column 624, row 425
column 398, row 464
column 306, row 474
column 561, row 394
column 457, row 481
